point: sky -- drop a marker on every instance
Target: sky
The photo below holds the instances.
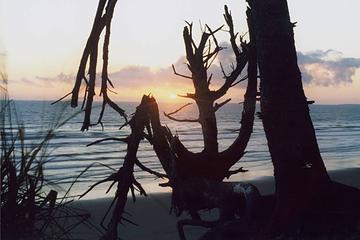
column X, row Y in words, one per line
column 41, row 43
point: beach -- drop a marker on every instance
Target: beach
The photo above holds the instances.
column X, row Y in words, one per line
column 151, row 213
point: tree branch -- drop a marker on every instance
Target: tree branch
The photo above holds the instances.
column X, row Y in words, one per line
column 146, row 169
column 237, row 149
column 94, row 34
column 181, row 120
column 178, row 74
column 219, row 105
column 241, row 59
column 239, row 81
column 239, row 170
column 125, row 140
column 68, row 94
column 188, row 95
column 179, row 109
column 169, row 115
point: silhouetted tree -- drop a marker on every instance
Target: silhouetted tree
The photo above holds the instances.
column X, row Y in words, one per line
column 298, row 167
column 187, row 172
column 196, row 178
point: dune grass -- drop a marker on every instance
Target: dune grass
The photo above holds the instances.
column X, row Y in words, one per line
column 30, row 207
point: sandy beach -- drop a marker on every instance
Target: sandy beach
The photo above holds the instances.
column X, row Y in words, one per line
column 152, row 213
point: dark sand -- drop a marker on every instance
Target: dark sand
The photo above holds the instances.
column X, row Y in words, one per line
column 152, row 213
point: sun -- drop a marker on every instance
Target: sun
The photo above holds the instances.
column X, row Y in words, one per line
column 172, row 96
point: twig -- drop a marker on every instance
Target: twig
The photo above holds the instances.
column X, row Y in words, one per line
column 144, row 168
column 239, row 170
column 219, row 105
column 181, row 120
column 239, row 81
column 125, row 140
column 61, row 98
column 178, row 74
column 179, row 109
column 169, row 115
column 113, row 177
column 188, row 95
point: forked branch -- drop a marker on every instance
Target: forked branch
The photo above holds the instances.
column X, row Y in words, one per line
column 219, row 105
column 178, row 74
column 90, row 54
column 241, row 58
column 169, row 115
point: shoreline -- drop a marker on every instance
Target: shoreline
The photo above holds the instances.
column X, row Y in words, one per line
column 152, row 213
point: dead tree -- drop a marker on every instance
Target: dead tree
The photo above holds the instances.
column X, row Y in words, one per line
column 210, row 163
column 182, row 167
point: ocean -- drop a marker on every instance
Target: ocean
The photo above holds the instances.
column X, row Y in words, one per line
column 337, row 130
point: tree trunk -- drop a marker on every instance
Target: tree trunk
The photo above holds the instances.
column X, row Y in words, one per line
column 298, row 167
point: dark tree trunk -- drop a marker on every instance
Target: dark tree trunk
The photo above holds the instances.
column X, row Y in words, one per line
column 299, row 170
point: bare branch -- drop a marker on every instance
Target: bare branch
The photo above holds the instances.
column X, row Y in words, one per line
column 178, row 74
column 190, row 28
column 212, row 33
column 188, row 95
column 237, row 149
column 239, row 81
column 61, row 98
column 146, row 169
column 209, row 79
column 111, row 84
column 113, row 177
column 169, row 115
column 200, row 49
column 241, row 58
column 125, row 140
column 187, row 35
column 219, row 105
column 179, row 109
column 94, row 35
column 223, row 71
column 211, row 56
column 141, row 189
column 229, row 22
column 181, row 120
column 239, row 170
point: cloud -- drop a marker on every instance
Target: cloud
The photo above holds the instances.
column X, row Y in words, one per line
column 135, row 76
column 142, row 77
column 61, row 77
column 322, row 68
column 327, row 68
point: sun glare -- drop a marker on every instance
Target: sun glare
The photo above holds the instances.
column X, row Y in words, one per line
column 173, row 96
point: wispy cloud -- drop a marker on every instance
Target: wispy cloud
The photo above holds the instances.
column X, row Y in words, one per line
column 323, row 68
column 61, row 77
column 327, row 68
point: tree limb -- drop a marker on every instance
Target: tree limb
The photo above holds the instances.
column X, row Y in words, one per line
column 219, row 105
column 178, row 74
column 125, row 140
column 146, row 169
column 181, row 120
column 179, row 109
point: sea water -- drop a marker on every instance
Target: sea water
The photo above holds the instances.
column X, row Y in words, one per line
column 337, row 130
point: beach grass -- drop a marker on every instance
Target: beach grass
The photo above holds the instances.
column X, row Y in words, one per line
column 30, row 207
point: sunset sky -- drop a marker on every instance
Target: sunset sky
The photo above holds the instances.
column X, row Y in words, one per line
column 41, row 44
